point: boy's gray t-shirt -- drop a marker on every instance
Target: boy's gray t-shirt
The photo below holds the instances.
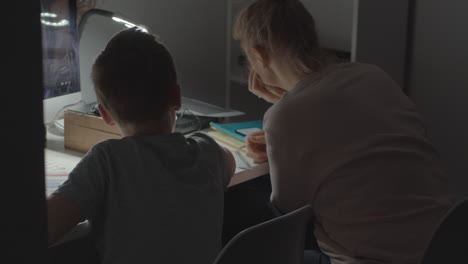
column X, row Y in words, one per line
column 153, row 199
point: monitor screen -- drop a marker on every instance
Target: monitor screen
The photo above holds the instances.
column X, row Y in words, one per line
column 60, row 47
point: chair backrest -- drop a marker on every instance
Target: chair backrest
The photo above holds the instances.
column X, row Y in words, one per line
column 449, row 243
column 277, row 241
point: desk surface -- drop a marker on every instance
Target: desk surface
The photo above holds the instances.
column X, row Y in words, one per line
column 60, row 161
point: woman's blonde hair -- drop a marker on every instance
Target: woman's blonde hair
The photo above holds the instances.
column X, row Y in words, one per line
column 285, row 28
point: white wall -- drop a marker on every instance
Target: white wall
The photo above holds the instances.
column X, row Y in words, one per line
column 97, row 30
column 381, row 35
column 334, row 22
column 439, row 82
column 195, row 34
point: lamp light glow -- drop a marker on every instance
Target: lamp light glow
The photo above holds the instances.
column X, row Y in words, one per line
column 49, row 15
column 61, row 23
column 128, row 24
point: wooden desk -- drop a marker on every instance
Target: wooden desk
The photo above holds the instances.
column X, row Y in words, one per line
column 60, row 161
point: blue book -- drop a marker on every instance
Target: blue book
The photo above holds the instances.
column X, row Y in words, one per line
column 239, row 130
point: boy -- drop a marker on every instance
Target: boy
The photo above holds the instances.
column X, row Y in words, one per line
column 153, row 196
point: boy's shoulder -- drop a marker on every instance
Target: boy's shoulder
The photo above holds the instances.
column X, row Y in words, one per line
column 174, row 143
column 165, row 139
column 201, row 137
column 206, row 145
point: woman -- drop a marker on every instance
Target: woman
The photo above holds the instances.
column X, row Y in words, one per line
column 342, row 137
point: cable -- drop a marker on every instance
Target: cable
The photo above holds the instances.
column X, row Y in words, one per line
column 56, row 117
column 191, row 120
column 196, row 117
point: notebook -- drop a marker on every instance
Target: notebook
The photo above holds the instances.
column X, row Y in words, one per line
column 238, row 130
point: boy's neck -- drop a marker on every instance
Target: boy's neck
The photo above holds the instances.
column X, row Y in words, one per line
column 165, row 126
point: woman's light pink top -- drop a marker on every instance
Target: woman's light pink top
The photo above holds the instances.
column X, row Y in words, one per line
column 351, row 143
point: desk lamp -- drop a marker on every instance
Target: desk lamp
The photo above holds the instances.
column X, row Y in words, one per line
column 88, row 95
column 106, row 13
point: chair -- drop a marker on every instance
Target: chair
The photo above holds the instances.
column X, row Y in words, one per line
column 277, row 241
column 76, row 247
column 77, row 251
column 449, row 243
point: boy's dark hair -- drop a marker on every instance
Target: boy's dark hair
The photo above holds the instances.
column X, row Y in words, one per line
column 133, row 77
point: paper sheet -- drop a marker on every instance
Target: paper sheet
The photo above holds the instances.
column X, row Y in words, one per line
column 200, row 108
column 58, row 166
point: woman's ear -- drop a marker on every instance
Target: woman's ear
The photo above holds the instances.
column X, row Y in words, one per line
column 106, row 115
column 175, row 97
column 261, row 55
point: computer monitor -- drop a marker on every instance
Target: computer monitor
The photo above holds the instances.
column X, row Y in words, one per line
column 60, row 56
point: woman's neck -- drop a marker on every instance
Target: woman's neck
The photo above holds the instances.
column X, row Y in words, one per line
column 288, row 78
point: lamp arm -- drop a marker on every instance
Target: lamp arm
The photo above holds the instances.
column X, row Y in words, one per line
column 90, row 12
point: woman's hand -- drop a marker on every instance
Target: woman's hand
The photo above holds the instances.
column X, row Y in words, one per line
column 269, row 93
column 256, row 147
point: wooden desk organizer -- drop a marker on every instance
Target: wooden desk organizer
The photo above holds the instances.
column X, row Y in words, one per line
column 83, row 131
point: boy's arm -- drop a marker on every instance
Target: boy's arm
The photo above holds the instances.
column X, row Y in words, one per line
column 219, row 157
column 62, row 215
